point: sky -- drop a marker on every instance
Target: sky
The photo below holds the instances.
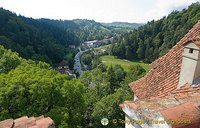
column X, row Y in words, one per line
column 133, row 11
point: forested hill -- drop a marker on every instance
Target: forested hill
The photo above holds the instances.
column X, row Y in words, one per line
column 84, row 29
column 156, row 38
column 123, row 25
column 33, row 39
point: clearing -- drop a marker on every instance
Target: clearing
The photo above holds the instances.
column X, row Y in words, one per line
column 111, row 60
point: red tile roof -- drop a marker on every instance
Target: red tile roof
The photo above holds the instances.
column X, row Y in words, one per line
column 188, row 111
column 164, row 75
column 25, row 122
column 181, row 104
column 63, row 63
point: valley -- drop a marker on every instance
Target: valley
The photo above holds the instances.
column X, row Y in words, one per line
column 82, row 73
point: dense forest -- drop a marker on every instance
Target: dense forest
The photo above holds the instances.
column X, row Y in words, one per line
column 47, row 40
column 33, row 88
column 123, row 25
column 84, row 29
column 33, row 39
column 156, row 38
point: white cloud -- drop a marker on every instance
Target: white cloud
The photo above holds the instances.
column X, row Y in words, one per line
column 99, row 10
column 164, row 7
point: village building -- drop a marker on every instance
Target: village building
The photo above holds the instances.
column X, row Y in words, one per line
column 107, row 40
column 63, row 65
column 72, row 46
column 92, row 44
column 63, row 68
column 169, row 95
column 25, row 122
column 97, row 43
column 99, row 52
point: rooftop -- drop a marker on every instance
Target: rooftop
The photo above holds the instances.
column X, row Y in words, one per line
column 25, row 122
column 164, row 75
column 181, row 104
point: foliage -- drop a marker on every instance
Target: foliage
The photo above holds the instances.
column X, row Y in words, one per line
column 106, row 89
column 84, row 29
column 8, row 60
column 87, row 59
column 123, row 25
column 120, row 73
column 34, row 88
column 108, row 107
column 135, row 72
column 33, row 39
column 111, row 60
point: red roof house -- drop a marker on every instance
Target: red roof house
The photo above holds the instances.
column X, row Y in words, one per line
column 72, row 46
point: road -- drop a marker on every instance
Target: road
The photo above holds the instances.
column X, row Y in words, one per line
column 77, row 64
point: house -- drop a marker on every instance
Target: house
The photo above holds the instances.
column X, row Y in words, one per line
column 63, row 68
column 92, row 44
column 97, row 43
column 25, row 122
column 85, row 47
column 63, row 65
column 99, row 52
column 72, row 46
column 106, row 40
column 169, row 95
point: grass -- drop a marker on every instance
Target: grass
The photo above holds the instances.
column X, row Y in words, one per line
column 104, row 47
column 68, row 56
column 111, row 60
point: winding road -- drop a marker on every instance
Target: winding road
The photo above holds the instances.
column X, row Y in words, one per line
column 77, row 64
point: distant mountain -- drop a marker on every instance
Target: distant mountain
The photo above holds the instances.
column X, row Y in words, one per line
column 84, row 29
column 123, row 25
column 33, row 39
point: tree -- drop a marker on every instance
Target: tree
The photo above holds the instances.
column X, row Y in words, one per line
column 86, row 78
column 102, row 67
column 97, row 80
column 108, row 107
column 135, row 72
column 119, row 72
column 111, row 80
column 87, row 59
column 33, row 89
column 8, row 60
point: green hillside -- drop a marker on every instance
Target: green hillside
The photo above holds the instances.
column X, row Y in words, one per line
column 123, row 25
column 156, row 38
column 84, row 29
column 33, row 39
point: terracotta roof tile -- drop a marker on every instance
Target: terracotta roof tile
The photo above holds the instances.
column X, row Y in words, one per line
column 187, row 111
column 44, row 123
column 164, row 75
column 121, row 105
column 25, row 122
column 6, row 123
column 178, row 105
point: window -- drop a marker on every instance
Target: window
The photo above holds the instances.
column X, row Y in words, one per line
column 191, row 50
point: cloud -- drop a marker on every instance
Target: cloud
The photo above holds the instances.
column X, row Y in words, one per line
column 164, row 7
column 99, row 10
